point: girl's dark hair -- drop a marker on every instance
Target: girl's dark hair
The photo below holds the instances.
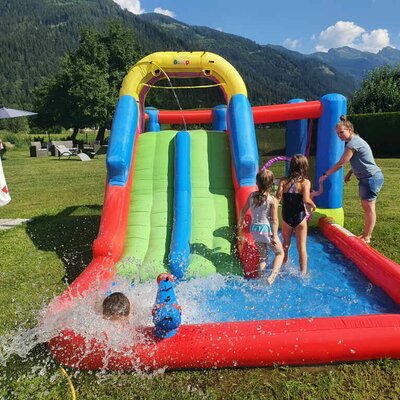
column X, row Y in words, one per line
column 298, row 167
column 265, row 183
column 345, row 123
column 116, row 304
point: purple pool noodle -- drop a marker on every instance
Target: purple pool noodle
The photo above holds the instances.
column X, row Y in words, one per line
column 274, row 160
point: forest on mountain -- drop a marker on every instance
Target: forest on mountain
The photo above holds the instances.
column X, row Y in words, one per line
column 359, row 63
column 36, row 34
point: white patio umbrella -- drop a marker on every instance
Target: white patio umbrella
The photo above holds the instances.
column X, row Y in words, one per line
column 6, row 112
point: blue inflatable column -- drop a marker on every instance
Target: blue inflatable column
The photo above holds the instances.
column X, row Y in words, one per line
column 243, row 139
column 153, row 124
column 166, row 312
column 122, row 139
column 182, row 228
column 329, row 150
column 296, row 135
column 219, row 118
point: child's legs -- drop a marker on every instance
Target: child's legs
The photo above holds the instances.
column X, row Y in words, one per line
column 287, row 238
column 301, row 242
column 277, row 248
column 369, row 218
column 263, row 252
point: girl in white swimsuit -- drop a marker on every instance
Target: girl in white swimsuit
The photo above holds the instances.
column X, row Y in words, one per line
column 264, row 224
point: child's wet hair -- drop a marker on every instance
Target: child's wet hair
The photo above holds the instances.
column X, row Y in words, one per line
column 116, row 304
column 265, row 183
column 298, row 167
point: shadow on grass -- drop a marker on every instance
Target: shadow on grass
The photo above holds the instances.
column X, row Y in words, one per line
column 70, row 234
column 225, row 264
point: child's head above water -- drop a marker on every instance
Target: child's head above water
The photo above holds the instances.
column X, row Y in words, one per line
column 116, row 306
column 298, row 167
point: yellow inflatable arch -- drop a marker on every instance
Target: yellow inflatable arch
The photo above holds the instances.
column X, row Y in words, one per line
column 182, row 65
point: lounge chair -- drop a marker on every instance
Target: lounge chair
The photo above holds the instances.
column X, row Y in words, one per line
column 97, row 151
column 64, row 152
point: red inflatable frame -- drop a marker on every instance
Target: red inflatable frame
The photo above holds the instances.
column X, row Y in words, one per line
column 259, row 343
column 234, row 344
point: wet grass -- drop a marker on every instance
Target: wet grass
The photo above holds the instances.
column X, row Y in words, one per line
column 64, row 199
column 39, row 379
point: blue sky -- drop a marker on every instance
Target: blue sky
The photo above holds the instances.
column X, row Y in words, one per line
column 305, row 26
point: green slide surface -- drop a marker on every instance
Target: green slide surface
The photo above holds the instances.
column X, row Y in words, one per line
column 213, row 206
column 151, row 208
column 150, row 218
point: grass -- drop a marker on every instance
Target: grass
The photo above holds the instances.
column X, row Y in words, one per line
column 63, row 199
column 43, row 186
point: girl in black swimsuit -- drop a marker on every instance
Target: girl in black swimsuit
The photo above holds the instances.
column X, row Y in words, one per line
column 294, row 190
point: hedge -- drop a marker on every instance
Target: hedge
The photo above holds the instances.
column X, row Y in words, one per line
column 380, row 130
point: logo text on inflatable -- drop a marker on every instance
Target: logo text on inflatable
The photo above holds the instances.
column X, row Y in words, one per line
column 185, row 62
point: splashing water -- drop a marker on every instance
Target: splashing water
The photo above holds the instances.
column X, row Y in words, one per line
column 332, row 287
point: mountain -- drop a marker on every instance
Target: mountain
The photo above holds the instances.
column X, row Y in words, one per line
column 271, row 76
column 35, row 34
column 357, row 63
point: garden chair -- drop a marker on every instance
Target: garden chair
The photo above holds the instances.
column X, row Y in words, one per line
column 97, row 151
column 65, row 152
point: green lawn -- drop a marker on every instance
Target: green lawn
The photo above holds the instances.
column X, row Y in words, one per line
column 64, row 199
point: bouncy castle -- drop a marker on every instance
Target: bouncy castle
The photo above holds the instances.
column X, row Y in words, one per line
column 171, row 205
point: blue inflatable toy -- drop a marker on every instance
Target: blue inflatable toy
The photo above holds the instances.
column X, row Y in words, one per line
column 166, row 312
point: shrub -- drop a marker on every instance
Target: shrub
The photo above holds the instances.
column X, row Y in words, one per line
column 381, row 131
column 18, row 140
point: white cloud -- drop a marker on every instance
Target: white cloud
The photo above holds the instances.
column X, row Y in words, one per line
column 375, row 41
column 168, row 13
column 292, row 43
column 338, row 35
column 219, row 29
column 346, row 33
column 131, row 5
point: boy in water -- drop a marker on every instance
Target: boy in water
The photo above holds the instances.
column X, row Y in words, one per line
column 116, row 307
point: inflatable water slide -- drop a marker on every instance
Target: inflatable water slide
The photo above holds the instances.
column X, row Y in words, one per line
column 171, row 205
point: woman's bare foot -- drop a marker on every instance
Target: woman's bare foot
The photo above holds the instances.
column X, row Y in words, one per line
column 365, row 239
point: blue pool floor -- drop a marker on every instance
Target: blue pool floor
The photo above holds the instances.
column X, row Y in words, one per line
column 334, row 286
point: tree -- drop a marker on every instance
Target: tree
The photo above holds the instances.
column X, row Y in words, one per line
column 380, row 92
column 85, row 91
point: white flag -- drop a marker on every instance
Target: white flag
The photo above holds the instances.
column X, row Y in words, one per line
column 5, row 197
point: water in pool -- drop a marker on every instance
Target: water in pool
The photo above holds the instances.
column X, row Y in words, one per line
column 334, row 286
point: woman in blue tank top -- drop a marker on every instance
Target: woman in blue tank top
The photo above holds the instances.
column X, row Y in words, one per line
column 363, row 166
